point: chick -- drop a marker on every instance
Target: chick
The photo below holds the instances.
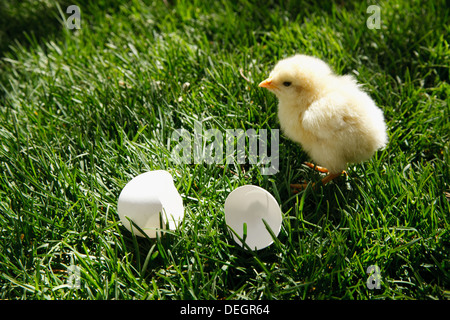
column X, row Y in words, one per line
column 329, row 115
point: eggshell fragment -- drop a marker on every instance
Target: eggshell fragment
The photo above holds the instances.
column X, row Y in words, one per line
column 151, row 201
column 249, row 205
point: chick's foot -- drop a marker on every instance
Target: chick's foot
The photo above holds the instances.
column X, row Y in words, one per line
column 297, row 187
column 330, row 176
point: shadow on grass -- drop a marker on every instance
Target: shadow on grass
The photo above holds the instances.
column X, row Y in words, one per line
column 34, row 22
column 26, row 21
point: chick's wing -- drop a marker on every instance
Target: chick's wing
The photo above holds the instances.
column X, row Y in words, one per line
column 329, row 117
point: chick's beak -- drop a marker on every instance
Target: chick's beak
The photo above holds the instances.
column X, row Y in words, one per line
column 267, row 84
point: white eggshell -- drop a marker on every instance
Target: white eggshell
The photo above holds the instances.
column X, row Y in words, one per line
column 251, row 204
column 147, row 197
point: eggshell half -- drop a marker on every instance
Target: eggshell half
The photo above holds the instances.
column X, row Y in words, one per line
column 249, row 205
column 150, row 200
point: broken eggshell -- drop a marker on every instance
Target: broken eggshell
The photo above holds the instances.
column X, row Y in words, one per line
column 151, row 201
column 249, row 205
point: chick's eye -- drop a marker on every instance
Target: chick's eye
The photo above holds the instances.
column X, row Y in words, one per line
column 287, row 83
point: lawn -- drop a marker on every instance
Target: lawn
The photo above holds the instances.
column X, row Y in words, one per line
column 83, row 111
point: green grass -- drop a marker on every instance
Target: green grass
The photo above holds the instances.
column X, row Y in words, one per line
column 84, row 111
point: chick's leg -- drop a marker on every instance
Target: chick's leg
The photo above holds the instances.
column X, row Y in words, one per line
column 317, row 168
column 301, row 186
column 296, row 187
column 330, row 176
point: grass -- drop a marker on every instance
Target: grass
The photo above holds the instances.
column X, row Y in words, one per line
column 84, row 111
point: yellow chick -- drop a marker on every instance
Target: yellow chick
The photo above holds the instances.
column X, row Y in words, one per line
column 334, row 121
